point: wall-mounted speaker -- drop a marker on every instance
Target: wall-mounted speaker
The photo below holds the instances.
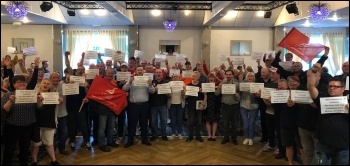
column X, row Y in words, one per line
column 267, row 14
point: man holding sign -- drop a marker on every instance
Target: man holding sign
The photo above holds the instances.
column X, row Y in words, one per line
column 138, row 108
column 332, row 127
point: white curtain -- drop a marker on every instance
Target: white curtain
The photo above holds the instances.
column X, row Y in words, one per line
column 77, row 41
column 336, row 54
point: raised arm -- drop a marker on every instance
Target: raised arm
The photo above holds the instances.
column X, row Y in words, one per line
column 312, row 81
column 205, row 68
column 31, row 85
column 69, row 68
column 230, row 63
column 8, row 72
column 82, row 59
column 103, row 63
column 324, row 57
column 22, row 66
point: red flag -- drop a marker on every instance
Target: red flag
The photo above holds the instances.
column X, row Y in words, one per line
column 298, row 43
column 104, row 92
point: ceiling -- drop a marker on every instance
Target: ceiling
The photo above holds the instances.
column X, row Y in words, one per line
column 194, row 19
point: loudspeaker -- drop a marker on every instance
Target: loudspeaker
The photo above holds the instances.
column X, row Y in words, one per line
column 267, row 14
column 292, row 8
column 46, row 6
column 71, row 12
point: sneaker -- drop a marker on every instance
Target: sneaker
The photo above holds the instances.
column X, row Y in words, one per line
column 136, row 140
column 117, row 141
column 55, row 163
column 172, row 136
column 245, row 142
column 250, row 142
column 88, row 145
column 72, row 145
column 180, row 136
column 105, row 148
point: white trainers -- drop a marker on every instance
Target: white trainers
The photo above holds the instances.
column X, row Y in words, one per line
column 180, row 136
column 172, row 136
column 250, row 142
column 245, row 142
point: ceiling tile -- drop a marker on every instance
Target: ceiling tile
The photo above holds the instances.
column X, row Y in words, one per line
column 104, row 20
column 224, row 22
column 156, row 21
column 199, row 13
column 198, row 21
column 186, row 22
column 242, row 22
column 269, row 23
column 141, row 20
column 245, row 14
column 256, row 22
column 140, row 13
column 171, row 14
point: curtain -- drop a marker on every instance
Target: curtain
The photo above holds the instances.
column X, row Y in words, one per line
column 336, row 54
column 77, row 41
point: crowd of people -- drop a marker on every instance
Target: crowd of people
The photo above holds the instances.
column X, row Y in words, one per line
column 286, row 127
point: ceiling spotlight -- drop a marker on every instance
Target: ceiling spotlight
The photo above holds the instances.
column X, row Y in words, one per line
column 46, row 6
column 307, row 23
column 187, row 12
column 260, row 13
column 155, row 12
column 70, row 12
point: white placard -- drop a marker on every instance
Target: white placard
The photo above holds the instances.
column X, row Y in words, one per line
column 187, row 73
column 208, row 87
column 159, row 57
column 70, row 89
column 287, row 65
column 86, row 62
column 11, row 50
column 280, row 96
column 266, row 92
column 199, row 105
column 46, row 75
column 91, row 73
column 300, row 96
column 149, row 75
column 273, row 54
column 110, row 52
column 257, row 55
column 138, row 54
column 30, row 51
column 192, row 90
column 223, row 57
column 164, row 88
column 228, row 89
column 174, row 71
column 119, row 57
column 255, row 87
column 180, row 58
column 244, row 87
column 176, row 85
column 26, row 96
column 50, row 97
column 347, row 83
column 238, row 61
column 123, row 76
column 333, row 104
column 91, row 55
column 140, row 80
column 77, row 79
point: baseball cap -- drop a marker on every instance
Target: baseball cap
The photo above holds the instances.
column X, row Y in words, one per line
column 124, row 64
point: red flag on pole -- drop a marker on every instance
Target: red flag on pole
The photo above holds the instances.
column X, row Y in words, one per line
column 298, row 43
column 104, row 92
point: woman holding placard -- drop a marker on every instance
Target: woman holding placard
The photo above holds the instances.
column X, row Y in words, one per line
column 46, row 121
column 249, row 110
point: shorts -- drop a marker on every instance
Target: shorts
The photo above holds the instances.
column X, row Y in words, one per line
column 290, row 137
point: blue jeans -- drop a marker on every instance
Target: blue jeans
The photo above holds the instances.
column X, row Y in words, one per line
column 176, row 118
column 328, row 154
column 248, row 118
column 105, row 122
column 162, row 111
column 62, row 133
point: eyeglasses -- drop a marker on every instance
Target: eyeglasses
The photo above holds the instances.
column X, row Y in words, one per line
column 334, row 87
column 19, row 82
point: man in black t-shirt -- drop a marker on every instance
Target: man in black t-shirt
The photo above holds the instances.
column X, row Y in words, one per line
column 332, row 128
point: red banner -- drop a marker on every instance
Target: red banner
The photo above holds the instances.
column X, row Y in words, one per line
column 298, row 43
column 104, row 92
